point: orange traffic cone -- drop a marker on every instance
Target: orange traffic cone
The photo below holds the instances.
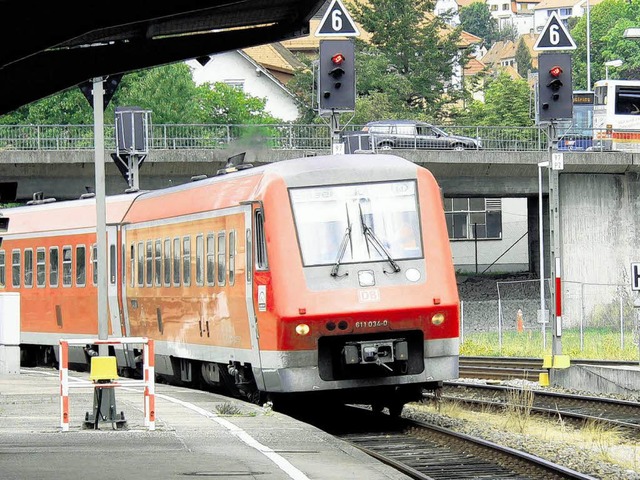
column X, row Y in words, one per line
column 520, row 323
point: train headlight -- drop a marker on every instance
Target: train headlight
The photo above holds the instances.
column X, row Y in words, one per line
column 412, row 274
column 437, row 319
column 366, row 278
column 302, row 329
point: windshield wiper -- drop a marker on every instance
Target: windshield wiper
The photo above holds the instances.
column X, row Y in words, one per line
column 343, row 247
column 370, row 236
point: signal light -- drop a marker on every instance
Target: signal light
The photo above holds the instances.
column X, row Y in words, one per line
column 555, row 71
column 554, row 80
column 336, row 79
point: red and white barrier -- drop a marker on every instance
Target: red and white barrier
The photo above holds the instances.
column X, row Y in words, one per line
column 558, row 293
column 148, row 381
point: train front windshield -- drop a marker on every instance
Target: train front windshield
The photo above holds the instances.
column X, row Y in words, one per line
column 357, row 223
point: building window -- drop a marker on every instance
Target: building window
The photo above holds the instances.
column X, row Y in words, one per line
column 566, row 12
column 505, row 6
column 236, row 83
column 494, row 8
column 471, row 218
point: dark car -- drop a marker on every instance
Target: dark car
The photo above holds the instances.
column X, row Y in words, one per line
column 412, row 134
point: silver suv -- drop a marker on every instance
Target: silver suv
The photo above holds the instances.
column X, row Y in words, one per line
column 411, row 134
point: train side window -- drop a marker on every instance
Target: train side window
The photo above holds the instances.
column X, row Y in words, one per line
column 186, row 261
column 249, row 257
column 149, row 262
column 54, row 266
column 81, row 266
column 15, row 268
column 140, row 264
column 222, row 267
column 112, row 264
column 94, row 264
column 158, row 263
column 211, row 259
column 176, row 262
column 261, row 244
column 28, row 267
column 167, row 262
column 41, row 266
column 66, row 266
column 232, row 257
column 132, row 261
column 2, row 270
column 200, row 260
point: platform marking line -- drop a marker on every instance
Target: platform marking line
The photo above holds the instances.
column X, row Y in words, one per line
column 280, row 461
column 238, row 432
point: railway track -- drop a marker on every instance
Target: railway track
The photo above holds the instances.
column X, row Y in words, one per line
column 429, row 452
column 619, row 413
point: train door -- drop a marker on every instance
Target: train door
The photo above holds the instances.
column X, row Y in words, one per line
column 252, row 303
column 115, row 316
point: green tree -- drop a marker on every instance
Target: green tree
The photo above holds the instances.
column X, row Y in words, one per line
column 421, row 51
column 168, row 91
column 476, row 19
column 506, row 102
column 523, row 58
column 508, row 32
column 609, row 19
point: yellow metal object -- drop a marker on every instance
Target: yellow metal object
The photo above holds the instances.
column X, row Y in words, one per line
column 561, row 361
column 547, row 361
column 543, row 379
column 103, row 368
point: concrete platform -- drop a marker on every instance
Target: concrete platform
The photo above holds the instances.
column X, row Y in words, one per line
column 620, row 380
column 198, row 434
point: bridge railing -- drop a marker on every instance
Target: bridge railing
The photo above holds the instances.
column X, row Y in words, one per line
column 296, row 137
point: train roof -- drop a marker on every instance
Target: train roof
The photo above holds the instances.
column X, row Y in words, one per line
column 210, row 193
column 66, row 215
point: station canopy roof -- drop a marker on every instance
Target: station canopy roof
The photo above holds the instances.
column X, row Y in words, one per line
column 49, row 47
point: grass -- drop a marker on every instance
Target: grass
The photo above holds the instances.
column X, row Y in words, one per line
column 603, row 441
column 597, row 344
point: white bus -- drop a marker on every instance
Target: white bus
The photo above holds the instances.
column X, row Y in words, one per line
column 616, row 115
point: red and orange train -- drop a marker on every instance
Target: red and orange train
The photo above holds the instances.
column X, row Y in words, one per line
column 323, row 275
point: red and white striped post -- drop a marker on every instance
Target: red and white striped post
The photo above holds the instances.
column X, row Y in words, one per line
column 558, row 294
column 64, row 385
column 149, row 389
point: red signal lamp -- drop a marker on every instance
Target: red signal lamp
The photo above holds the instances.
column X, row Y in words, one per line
column 555, row 71
column 337, row 59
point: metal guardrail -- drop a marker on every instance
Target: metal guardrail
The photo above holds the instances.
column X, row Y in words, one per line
column 281, row 137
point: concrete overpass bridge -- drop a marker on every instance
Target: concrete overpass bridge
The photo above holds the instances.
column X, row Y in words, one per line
column 599, row 193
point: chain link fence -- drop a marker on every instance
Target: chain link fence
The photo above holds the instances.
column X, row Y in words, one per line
column 599, row 321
